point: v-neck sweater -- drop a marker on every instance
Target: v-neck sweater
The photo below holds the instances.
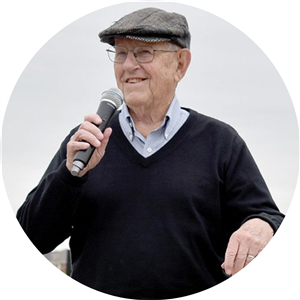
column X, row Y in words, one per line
column 155, row 227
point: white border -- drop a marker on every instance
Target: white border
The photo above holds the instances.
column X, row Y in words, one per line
column 27, row 25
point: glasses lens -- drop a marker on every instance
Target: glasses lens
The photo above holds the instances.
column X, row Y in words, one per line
column 119, row 54
column 144, row 54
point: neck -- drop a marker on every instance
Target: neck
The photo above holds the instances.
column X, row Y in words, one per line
column 147, row 120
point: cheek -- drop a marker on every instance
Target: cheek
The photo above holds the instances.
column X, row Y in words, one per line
column 166, row 77
column 118, row 72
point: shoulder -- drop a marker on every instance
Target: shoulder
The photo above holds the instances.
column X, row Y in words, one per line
column 214, row 134
column 203, row 123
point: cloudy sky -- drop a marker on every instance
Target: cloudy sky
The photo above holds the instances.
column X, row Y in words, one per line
column 231, row 78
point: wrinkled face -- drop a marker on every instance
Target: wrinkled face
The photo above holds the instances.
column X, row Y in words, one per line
column 147, row 84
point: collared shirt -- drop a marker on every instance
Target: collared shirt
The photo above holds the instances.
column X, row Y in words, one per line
column 156, row 139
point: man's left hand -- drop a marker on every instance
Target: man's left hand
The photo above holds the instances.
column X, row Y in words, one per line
column 245, row 244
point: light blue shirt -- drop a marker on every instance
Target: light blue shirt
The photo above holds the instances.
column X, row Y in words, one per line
column 156, row 139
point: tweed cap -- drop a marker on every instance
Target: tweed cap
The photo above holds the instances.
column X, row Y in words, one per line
column 150, row 25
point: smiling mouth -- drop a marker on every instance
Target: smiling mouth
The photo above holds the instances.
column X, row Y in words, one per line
column 134, row 80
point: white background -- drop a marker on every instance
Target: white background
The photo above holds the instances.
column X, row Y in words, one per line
column 27, row 25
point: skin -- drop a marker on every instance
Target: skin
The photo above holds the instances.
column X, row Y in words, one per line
column 148, row 100
column 250, row 239
column 148, row 91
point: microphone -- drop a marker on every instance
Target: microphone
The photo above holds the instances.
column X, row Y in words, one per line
column 110, row 101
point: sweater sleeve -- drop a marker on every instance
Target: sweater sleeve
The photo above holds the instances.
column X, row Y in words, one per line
column 246, row 193
column 47, row 214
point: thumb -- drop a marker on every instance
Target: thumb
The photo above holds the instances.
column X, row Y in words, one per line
column 101, row 150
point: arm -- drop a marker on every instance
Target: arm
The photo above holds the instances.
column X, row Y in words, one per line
column 47, row 216
column 247, row 197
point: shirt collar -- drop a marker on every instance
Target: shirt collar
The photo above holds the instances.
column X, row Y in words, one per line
column 171, row 118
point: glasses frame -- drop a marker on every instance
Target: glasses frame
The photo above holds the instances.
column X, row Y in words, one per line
column 135, row 54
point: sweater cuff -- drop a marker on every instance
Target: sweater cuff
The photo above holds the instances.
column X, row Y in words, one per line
column 273, row 221
column 65, row 176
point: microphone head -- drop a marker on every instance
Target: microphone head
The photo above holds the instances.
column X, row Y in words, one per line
column 115, row 95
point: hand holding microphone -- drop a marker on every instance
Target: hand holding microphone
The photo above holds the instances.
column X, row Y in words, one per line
column 90, row 138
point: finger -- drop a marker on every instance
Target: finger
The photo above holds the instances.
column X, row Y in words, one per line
column 93, row 118
column 241, row 258
column 230, row 255
column 104, row 141
column 92, row 128
column 249, row 259
column 72, row 148
column 252, row 253
column 85, row 136
column 106, row 135
column 75, row 146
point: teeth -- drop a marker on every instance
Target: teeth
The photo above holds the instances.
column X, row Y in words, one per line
column 134, row 80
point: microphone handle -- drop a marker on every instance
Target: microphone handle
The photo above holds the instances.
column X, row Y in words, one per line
column 105, row 111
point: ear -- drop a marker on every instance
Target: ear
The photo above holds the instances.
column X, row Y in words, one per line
column 184, row 58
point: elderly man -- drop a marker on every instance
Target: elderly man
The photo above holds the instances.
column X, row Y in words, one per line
column 171, row 202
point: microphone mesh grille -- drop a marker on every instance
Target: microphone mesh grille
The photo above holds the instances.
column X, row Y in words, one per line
column 115, row 95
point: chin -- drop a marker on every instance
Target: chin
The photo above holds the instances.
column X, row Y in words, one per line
column 134, row 98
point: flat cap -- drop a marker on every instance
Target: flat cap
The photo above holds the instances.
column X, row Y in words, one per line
column 150, row 25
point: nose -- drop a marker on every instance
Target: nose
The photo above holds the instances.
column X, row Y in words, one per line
column 130, row 61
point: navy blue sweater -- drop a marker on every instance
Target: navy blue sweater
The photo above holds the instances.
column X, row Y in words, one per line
column 156, row 227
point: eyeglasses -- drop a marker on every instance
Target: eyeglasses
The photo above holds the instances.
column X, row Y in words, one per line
column 142, row 54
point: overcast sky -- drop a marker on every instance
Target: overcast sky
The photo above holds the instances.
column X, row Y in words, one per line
column 230, row 78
